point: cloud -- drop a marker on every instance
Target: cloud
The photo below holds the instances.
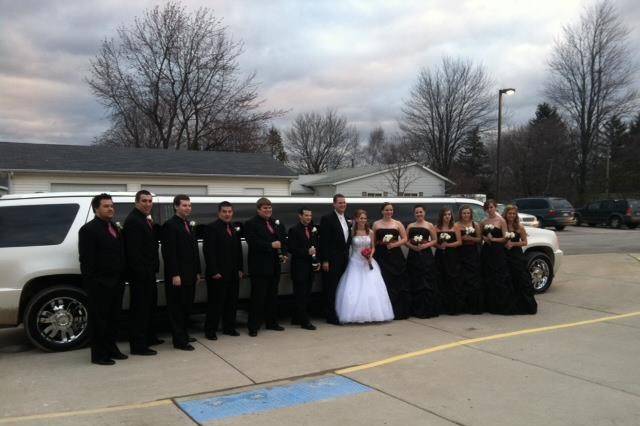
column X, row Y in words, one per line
column 359, row 57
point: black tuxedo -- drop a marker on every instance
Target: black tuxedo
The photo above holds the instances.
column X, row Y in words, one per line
column 223, row 255
column 264, row 270
column 298, row 244
column 335, row 250
column 102, row 263
column 141, row 247
column 181, row 258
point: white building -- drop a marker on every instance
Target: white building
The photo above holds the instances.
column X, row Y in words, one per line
column 29, row 168
column 410, row 180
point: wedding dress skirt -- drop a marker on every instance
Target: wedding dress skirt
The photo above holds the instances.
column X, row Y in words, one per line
column 362, row 295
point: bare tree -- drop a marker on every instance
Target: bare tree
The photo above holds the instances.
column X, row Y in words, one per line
column 316, row 143
column 592, row 79
column 171, row 80
column 374, row 150
column 445, row 104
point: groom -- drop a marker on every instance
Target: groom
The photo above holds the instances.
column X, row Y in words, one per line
column 335, row 239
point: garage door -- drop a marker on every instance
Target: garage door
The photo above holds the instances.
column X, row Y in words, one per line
column 175, row 189
column 88, row 187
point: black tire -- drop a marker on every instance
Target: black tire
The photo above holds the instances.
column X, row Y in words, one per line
column 615, row 222
column 560, row 227
column 541, row 269
column 56, row 318
column 578, row 220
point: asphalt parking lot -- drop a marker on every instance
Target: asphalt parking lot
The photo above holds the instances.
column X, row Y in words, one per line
column 574, row 363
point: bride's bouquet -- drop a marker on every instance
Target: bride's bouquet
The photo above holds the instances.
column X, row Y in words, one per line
column 366, row 252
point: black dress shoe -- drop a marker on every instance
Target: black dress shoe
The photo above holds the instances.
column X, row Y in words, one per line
column 275, row 327
column 118, row 355
column 104, row 362
column 186, row 347
column 211, row 336
column 308, row 326
column 144, row 351
column 155, row 342
column 192, row 339
column 231, row 333
column 253, row 333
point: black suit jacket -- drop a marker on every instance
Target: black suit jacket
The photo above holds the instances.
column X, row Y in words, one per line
column 180, row 251
column 263, row 259
column 141, row 246
column 222, row 252
column 298, row 244
column 102, row 258
column 332, row 243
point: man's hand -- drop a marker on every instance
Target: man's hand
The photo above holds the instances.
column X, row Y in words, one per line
column 325, row 266
column 217, row 277
column 240, row 274
column 276, row 245
column 312, row 251
column 176, row 281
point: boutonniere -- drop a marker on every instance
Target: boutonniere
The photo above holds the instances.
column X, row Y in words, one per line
column 237, row 228
column 119, row 226
column 192, row 223
column 277, row 222
column 314, row 229
column 149, row 218
column 349, row 222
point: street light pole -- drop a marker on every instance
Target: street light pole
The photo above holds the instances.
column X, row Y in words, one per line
column 500, row 93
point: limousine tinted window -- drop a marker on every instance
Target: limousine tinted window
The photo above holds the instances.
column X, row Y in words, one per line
column 45, row 225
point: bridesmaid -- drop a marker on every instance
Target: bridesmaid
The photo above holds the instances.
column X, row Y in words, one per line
column 421, row 267
column 390, row 235
column 469, row 256
column 499, row 296
column 525, row 302
column 448, row 265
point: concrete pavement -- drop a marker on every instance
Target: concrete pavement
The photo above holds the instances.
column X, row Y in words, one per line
column 580, row 375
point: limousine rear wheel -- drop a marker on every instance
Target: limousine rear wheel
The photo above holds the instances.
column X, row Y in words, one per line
column 541, row 271
column 56, row 318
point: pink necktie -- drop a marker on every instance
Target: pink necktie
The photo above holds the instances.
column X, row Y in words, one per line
column 270, row 228
column 112, row 231
column 186, row 226
column 229, row 230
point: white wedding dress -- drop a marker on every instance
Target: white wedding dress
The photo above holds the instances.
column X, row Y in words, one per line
column 362, row 295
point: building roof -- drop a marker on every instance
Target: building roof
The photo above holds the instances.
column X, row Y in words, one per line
column 102, row 159
column 334, row 177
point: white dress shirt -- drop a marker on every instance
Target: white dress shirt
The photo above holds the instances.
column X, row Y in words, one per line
column 345, row 226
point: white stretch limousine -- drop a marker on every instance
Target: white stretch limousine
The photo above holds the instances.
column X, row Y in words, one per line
column 40, row 283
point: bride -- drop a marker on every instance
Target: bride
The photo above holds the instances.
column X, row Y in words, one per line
column 362, row 295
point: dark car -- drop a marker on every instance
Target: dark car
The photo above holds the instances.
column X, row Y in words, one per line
column 550, row 211
column 612, row 212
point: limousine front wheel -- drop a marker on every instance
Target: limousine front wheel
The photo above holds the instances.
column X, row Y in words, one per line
column 541, row 271
column 56, row 318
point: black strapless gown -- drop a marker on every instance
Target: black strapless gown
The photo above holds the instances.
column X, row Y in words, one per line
column 525, row 302
column 394, row 272
column 423, row 284
column 449, row 278
column 471, row 272
column 499, row 294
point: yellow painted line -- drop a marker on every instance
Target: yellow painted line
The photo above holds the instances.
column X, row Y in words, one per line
column 49, row 416
column 479, row 340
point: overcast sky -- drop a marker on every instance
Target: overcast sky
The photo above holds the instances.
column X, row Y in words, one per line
column 359, row 57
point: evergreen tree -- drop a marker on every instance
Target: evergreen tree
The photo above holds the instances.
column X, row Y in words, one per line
column 474, row 161
column 275, row 146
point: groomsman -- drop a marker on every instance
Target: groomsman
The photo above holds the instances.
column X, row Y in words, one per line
column 335, row 239
column 181, row 270
column 141, row 248
column 265, row 237
column 302, row 242
column 102, row 263
column 223, row 255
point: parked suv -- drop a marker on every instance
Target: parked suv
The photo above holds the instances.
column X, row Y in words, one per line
column 613, row 213
column 550, row 211
column 40, row 282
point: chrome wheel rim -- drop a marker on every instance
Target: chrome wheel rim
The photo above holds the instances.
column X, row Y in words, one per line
column 540, row 274
column 615, row 222
column 62, row 320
